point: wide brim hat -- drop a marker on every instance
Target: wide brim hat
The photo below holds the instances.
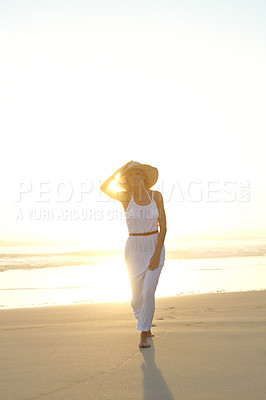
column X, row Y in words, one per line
column 150, row 172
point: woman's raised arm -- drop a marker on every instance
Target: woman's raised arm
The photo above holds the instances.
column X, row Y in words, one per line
column 107, row 188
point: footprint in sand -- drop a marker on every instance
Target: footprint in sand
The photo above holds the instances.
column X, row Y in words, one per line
column 167, row 317
column 197, row 324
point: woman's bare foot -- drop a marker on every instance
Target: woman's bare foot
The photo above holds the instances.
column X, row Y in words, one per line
column 143, row 340
column 149, row 334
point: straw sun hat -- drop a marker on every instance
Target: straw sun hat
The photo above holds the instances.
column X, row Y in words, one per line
column 150, row 172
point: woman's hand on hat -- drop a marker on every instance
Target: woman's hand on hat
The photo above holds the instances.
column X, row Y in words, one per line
column 121, row 169
column 124, row 166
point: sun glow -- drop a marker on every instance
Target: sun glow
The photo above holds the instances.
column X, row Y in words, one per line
column 97, row 90
column 114, row 184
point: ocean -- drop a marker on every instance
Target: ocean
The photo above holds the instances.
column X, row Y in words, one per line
column 36, row 275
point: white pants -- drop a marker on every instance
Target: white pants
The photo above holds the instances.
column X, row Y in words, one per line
column 143, row 288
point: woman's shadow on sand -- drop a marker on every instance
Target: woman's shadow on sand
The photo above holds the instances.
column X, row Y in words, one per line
column 154, row 385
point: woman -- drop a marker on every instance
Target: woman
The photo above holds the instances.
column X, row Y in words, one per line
column 145, row 250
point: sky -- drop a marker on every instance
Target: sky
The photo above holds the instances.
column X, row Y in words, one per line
column 88, row 86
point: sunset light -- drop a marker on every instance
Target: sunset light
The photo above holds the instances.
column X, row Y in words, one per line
column 152, row 286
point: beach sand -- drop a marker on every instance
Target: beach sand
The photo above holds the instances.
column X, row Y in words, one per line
column 207, row 346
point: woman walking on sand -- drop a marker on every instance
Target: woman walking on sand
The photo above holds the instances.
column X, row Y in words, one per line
column 145, row 250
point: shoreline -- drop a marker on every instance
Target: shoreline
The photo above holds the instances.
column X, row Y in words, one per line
column 78, row 284
column 121, row 301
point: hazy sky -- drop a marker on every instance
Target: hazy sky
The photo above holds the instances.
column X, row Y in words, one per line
column 87, row 86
